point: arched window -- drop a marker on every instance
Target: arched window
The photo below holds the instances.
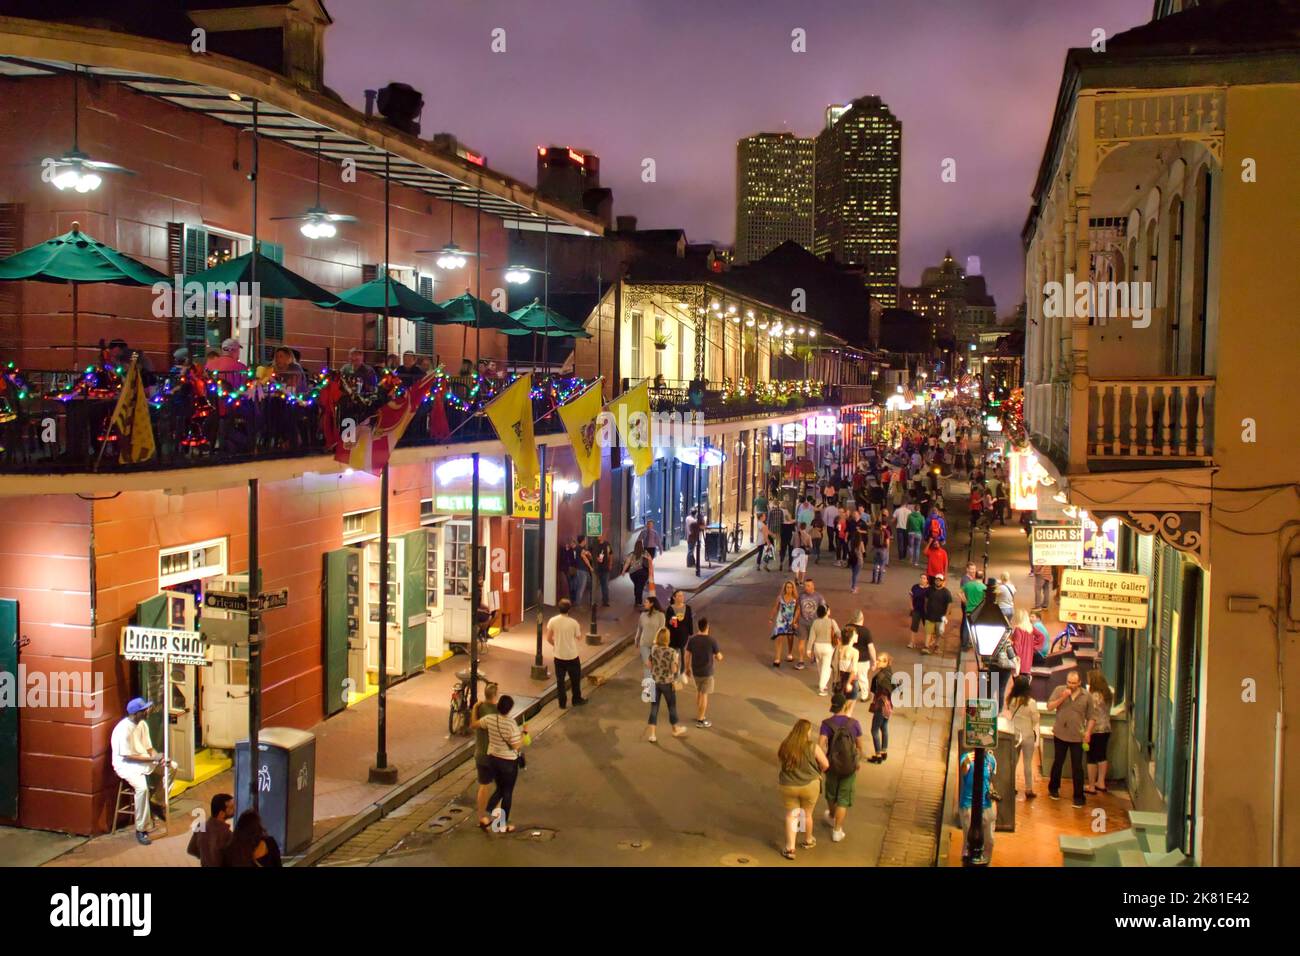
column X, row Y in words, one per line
column 1174, row 287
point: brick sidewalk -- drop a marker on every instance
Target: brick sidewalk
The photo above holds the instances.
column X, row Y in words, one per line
column 417, row 730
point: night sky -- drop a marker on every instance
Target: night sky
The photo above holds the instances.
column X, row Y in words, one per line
column 681, row 80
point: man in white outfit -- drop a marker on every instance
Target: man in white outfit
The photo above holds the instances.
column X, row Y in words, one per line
column 134, row 759
column 822, row 635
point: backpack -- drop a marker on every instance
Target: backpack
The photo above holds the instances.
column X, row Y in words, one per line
column 843, row 751
column 936, row 530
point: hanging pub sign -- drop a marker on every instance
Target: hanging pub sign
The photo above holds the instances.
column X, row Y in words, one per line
column 1101, row 545
column 1104, row 598
column 1057, row 544
column 525, row 499
column 1025, row 476
column 820, row 425
column 161, row 644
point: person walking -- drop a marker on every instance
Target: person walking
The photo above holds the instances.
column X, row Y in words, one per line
column 799, row 556
column 640, row 567
column 702, row 656
column 901, row 515
column 783, row 620
column 647, row 627
column 665, row 665
column 582, row 571
column 649, row 539
column 822, row 638
column 505, row 740
column 1024, row 639
column 966, row 797
column 1021, row 713
column 809, row 601
column 1102, row 698
column 802, row 764
column 1042, row 586
column 857, row 554
column 482, row 766
column 936, row 558
column 844, row 673
column 766, row 546
column 830, row 516
column 1005, row 595
column 209, row 842
column 817, row 532
column 881, row 534
column 918, row 596
column 562, row 633
column 937, row 601
column 881, row 707
column 602, row 562
column 1075, row 718
column 915, row 532
column 788, row 523
column 250, row 845
column 840, row 738
column 680, row 623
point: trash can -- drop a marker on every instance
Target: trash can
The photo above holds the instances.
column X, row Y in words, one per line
column 286, row 784
column 715, row 544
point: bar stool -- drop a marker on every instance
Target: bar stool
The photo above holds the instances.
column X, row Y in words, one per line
column 125, row 804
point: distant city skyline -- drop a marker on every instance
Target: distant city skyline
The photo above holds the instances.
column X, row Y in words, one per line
column 681, row 83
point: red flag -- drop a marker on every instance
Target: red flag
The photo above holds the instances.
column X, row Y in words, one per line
column 377, row 437
column 438, row 425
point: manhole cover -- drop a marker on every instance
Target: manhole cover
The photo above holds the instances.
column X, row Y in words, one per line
column 536, row 835
column 739, row 859
column 634, row 844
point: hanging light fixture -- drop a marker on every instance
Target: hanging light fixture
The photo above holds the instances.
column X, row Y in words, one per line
column 74, row 169
column 317, row 221
column 517, row 275
column 450, row 256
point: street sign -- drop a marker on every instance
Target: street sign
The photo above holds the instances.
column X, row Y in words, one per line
column 595, row 524
column 236, row 601
column 161, row 644
column 1104, row 598
column 270, row 600
column 981, row 723
column 1057, row 544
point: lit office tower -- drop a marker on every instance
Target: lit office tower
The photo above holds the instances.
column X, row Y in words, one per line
column 566, row 174
column 774, row 193
column 859, row 161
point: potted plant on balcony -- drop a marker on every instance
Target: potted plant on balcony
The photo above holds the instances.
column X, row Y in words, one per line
column 661, row 340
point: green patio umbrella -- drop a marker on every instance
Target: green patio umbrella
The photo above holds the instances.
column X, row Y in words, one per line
column 460, row 311
column 75, row 258
column 403, row 301
column 537, row 319
column 274, row 280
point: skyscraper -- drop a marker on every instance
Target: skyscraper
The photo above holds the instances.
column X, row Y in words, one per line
column 858, row 174
column 566, row 174
column 774, row 193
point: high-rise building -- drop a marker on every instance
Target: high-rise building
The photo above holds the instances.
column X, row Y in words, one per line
column 566, row 174
column 774, row 193
column 957, row 302
column 857, row 192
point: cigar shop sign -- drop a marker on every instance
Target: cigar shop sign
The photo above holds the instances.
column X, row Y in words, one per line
column 161, row 644
column 1057, row 543
column 1104, row 598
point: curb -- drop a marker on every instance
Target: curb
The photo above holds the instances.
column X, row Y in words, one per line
column 430, row 775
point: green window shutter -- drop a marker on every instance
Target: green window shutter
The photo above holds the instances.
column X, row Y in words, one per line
column 272, row 309
column 424, row 330
column 8, row 714
column 334, row 623
column 414, row 597
column 194, row 328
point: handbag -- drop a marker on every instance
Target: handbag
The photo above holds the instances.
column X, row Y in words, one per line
column 1006, row 656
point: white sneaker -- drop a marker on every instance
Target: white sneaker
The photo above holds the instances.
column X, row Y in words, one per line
column 652, row 738
column 821, row 693
column 837, row 836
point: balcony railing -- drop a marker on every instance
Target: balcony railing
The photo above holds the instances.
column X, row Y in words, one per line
column 1160, row 418
column 41, row 434
column 722, row 403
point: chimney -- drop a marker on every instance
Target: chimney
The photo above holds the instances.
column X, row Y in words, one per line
column 370, row 102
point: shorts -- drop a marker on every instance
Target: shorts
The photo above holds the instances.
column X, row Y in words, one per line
column 485, row 774
column 704, row 685
column 801, row 798
column 1097, row 747
column 839, row 790
column 799, row 561
column 916, row 622
column 934, row 627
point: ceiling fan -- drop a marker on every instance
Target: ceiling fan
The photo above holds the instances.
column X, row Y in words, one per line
column 450, row 256
column 317, row 221
column 74, row 169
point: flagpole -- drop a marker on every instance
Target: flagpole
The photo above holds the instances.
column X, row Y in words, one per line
column 254, row 648
column 475, row 589
column 538, row 671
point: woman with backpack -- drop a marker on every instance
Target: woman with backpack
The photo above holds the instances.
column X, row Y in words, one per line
column 802, row 764
column 785, row 617
column 1022, row 713
column 881, row 707
column 641, row 568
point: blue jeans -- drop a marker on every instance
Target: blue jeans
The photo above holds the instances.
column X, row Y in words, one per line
column 581, row 582
column 914, row 546
column 668, row 693
column 880, row 732
column 878, row 565
column 853, row 574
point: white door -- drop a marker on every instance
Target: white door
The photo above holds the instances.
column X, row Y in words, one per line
column 455, row 583
column 435, row 642
column 224, row 685
column 182, row 687
column 395, row 566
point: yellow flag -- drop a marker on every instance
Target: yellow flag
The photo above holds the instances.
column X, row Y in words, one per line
column 131, row 419
column 580, row 417
column 511, row 414
column 631, row 413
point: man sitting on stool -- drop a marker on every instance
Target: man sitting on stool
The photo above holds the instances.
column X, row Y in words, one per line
column 134, row 759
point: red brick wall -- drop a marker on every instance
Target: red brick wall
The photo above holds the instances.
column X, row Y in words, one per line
column 45, row 566
column 192, row 169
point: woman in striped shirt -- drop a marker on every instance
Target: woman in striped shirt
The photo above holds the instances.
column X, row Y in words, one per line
column 505, row 740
